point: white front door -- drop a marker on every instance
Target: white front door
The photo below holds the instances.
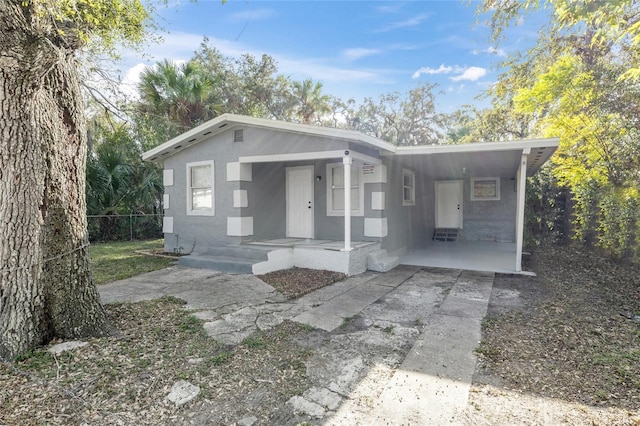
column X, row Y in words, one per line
column 300, row 206
column 449, row 204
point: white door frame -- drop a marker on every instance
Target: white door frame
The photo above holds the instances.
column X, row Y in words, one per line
column 312, row 200
column 460, row 185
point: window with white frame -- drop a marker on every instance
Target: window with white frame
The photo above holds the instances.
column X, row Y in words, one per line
column 408, row 188
column 335, row 190
column 200, row 188
column 485, row 189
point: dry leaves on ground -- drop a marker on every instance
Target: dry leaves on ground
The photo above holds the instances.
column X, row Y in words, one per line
column 296, row 282
column 575, row 339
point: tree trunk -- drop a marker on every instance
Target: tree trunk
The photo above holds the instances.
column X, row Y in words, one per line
column 46, row 288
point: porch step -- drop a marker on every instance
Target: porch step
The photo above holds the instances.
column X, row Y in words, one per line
column 218, row 263
column 240, row 252
column 446, row 234
column 380, row 261
column 235, row 259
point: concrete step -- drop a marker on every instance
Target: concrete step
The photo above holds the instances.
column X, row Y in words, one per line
column 446, row 234
column 380, row 261
column 259, row 254
column 218, row 263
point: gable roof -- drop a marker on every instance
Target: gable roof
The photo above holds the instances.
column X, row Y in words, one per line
column 226, row 121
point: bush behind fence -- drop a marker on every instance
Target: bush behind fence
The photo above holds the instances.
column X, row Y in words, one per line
column 124, row 227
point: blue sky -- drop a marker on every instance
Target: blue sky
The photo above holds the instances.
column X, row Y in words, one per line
column 354, row 48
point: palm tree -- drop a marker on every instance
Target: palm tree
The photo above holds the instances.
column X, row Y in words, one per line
column 310, row 100
column 183, row 94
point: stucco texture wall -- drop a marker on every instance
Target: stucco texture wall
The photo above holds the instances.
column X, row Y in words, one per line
column 266, row 192
column 409, row 226
column 493, row 220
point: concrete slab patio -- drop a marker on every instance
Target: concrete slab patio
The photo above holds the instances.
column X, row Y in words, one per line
column 398, row 347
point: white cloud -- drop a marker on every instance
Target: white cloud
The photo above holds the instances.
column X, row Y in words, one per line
column 442, row 69
column 392, row 8
column 463, row 73
column 131, row 79
column 471, row 74
column 407, row 23
column 359, row 53
column 491, row 50
column 253, row 15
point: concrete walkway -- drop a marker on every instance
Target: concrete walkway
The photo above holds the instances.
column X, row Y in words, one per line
column 399, row 349
column 432, row 384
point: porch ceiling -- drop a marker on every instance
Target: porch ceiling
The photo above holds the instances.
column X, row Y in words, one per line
column 459, row 165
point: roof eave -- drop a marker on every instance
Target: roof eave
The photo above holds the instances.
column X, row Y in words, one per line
column 479, row 147
column 212, row 127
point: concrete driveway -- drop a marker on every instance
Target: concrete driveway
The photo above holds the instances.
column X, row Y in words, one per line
column 397, row 347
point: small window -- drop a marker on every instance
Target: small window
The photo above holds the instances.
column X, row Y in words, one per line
column 485, row 189
column 200, row 188
column 408, row 188
column 335, row 190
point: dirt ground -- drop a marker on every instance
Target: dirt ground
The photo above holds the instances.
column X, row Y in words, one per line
column 562, row 347
column 559, row 348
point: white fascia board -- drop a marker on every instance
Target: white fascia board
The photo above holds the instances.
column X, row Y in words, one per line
column 366, row 158
column 479, row 147
column 211, row 127
column 302, row 156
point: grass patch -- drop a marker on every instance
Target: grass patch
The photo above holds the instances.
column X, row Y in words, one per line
column 253, row 342
column 118, row 260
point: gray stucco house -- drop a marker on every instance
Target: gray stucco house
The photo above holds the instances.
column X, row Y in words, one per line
column 255, row 195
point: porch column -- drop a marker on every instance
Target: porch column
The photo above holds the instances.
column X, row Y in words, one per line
column 522, row 184
column 347, row 161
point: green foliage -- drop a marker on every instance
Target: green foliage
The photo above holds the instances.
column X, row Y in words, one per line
column 577, row 84
column 253, row 342
column 105, row 24
column 176, row 98
column 310, row 102
column 401, row 119
column 221, row 358
column 191, row 324
column 119, row 184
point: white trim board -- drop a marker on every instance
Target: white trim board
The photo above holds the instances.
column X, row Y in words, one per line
column 307, row 156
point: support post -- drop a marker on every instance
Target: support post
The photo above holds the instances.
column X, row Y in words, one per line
column 522, row 186
column 347, row 161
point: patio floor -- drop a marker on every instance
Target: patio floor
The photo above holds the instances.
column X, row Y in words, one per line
column 485, row 256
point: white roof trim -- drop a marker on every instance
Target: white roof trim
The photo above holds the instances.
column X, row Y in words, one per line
column 302, row 156
column 221, row 123
column 478, row 147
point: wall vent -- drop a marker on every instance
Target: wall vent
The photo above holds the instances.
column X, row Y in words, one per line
column 238, row 135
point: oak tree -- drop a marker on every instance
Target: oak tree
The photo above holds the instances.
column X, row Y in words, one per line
column 46, row 288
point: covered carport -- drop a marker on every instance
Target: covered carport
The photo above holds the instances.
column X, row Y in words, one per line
column 489, row 209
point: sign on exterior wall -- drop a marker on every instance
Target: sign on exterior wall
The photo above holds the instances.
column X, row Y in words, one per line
column 368, row 169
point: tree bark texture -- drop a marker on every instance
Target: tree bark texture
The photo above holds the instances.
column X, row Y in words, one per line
column 46, row 288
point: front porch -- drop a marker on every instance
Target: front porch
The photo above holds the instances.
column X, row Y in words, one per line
column 485, row 256
column 284, row 253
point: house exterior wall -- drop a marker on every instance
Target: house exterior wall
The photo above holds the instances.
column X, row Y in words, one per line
column 490, row 220
column 409, row 226
column 263, row 197
column 268, row 192
column 256, row 206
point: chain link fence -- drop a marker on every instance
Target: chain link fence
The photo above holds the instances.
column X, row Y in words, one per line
column 124, row 227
